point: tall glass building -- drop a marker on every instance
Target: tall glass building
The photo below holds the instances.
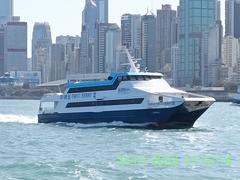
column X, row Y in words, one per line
column 1, row 50
column 148, row 42
column 6, row 10
column 41, row 42
column 102, row 6
column 15, row 42
column 131, row 33
column 196, row 16
column 232, row 18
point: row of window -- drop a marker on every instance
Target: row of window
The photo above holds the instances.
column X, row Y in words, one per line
column 138, row 78
column 114, row 86
column 105, row 103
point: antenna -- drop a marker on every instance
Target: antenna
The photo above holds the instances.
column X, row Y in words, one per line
column 132, row 62
column 152, row 6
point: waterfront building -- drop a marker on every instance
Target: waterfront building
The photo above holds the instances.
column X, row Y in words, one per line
column 232, row 18
column 95, row 18
column 71, row 44
column 148, row 42
column 166, row 35
column 102, row 9
column 195, row 18
column 43, row 64
column 102, row 29
column 58, row 64
column 212, row 55
column 89, row 18
column 131, row 33
column 27, row 78
column 1, row 50
column 6, row 11
column 175, row 57
column 113, row 43
column 64, row 40
column 231, row 58
column 41, row 39
column 15, row 46
column 88, row 37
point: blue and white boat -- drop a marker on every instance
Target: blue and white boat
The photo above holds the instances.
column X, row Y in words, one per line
column 134, row 98
column 131, row 98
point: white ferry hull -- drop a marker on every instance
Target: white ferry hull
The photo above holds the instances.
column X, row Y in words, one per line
column 179, row 117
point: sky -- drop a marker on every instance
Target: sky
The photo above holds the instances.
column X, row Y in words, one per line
column 65, row 16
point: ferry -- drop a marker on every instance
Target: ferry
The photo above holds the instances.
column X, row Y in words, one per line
column 133, row 98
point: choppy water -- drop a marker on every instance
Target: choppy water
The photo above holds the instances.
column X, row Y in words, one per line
column 29, row 150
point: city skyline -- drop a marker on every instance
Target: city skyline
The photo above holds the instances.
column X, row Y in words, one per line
column 161, row 37
column 37, row 11
column 73, row 8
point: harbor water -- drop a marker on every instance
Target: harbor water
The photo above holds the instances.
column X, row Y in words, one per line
column 29, row 151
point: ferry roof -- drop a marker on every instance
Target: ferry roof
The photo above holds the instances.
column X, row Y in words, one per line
column 136, row 74
column 110, row 82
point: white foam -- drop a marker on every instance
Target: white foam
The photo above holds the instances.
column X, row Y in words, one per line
column 10, row 118
column 112, row 124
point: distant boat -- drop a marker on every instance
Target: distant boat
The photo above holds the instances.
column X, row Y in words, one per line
column 134, row 98
column 236, row 98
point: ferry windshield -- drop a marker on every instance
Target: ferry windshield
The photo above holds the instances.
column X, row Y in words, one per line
column 110, row 78
column 138, row 78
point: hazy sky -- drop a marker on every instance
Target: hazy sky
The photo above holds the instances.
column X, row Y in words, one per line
column 65, row 16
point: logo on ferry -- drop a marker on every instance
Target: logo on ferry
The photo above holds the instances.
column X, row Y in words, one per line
column 124, row 90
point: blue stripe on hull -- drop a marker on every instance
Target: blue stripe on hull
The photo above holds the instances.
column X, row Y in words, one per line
column 169, row 118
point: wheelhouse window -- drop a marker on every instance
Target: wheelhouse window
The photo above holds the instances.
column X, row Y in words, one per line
column 47, row 107
column 140, row 78
column 160, row 99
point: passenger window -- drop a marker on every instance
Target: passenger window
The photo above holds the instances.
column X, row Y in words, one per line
column 119, row 79
column 125, row 78
column 110, row 78
column 147, row 78
column 140, row 78
column 160, row 99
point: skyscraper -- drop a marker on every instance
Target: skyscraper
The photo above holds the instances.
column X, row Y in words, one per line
column 95, row 18
column 131, row 33
column 166, row 34
column 41, row 39
column 218, row 10
column 89, row 18
column 113, row 44
column 58, row 65
column 88, row 36
column 175, row 63
column 212, row 54
column 231, row 57
column 102, row 9
column 148, row 42
column 195, row 18
column 2, row 50
column 232, row 18
column 70, row 44
column 6, row 11
column 15, row 45
column 85, row 61
column 101, row 46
